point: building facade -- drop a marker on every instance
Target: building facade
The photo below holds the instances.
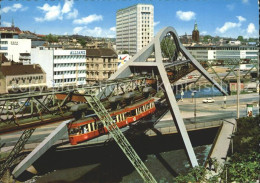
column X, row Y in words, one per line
column 19, row 78
column 62, row 67
column 134, row 28
column 223, row 52
column 12, row 48
column 101, row 64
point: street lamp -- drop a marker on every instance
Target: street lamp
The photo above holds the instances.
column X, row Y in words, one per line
column 193, row 95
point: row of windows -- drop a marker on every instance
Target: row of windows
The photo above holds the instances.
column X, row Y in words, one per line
column 3, row 42
column 68, row 72
column 69, row 56
column 69, row 64
column 3, row 48
column 69, row 80
column 97, row 73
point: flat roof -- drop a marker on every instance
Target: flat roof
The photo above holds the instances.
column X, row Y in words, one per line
column 133, row 6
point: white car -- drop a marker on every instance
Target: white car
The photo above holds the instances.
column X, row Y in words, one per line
column 209, row 100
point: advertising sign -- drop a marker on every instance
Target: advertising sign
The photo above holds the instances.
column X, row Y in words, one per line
column 123, row 58
column 249, row 110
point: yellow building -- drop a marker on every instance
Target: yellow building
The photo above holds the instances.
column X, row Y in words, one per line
column 101, row 64
column 20, row 78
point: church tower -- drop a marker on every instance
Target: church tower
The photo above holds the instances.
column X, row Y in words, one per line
column 196, row 33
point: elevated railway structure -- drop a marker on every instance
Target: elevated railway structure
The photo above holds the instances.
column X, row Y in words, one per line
column 158, row 65
column 232, row 64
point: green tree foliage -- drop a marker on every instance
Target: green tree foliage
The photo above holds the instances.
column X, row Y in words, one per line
column 82, row 42
column 243, row 165
column 240, row 38
column 51, row 39
column 243, row 168
column 247, row 137
column 125, row 52
column 168, row 47
column 251, row 39
column 206, row 38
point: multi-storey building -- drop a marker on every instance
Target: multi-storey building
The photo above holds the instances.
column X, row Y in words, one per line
column 223, row 52
column 17, row 77
column 62, row 67
column 10, row 45
column 12, row 48
column 134, row 28
column 101, row 64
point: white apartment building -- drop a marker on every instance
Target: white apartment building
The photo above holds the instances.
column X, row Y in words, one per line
column 62, row 67
column 134, row 28
column 12, row 48
column 223, row 52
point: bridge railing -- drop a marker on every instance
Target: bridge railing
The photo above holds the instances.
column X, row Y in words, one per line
column 190, row 127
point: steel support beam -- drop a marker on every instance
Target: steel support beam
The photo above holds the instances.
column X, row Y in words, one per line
column 176, row 115
column 41, row 148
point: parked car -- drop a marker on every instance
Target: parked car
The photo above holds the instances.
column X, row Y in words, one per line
column 209, row 100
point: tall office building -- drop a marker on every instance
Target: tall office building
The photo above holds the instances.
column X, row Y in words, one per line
column 134, row 28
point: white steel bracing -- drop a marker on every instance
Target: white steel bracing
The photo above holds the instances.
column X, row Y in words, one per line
column 154, row 48
column 41, row 148
column 16, row 150
column 120, row 139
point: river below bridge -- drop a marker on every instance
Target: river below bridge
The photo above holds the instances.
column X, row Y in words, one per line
column 163, row 155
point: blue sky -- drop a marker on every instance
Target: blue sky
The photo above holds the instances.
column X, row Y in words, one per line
column 228, row 18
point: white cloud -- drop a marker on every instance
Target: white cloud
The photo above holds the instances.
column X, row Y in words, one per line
column 95, row 32
column 89, row 19
column 231, row 7
column 51, row 13
column 203, row 32
column 77, row 30
column 73, row 15
column 13, row 8
column 241, row 19
column 245, row 1
column 56, row 12
column 156, row 23
column 67, row 6
column 230, row 25
column 113, row 29
column 6, row 24
column 185, row 15
column 251, row 28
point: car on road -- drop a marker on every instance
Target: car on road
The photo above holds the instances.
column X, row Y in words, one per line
column 208, row 100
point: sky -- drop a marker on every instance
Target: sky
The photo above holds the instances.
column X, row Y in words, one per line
column 225, row 18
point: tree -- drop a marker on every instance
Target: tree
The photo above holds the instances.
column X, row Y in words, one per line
column 125, row 52
column 82, row 42
column 168, row 47
column 50, row 38
column 206, row 38
column 251, row 39
column 240, row 38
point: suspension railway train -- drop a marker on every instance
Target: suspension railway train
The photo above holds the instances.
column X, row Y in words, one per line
column 91, row 127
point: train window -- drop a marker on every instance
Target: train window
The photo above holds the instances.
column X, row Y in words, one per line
column 93, row 126
column 117, row 118
column 133, row 112
column 127, row 114
column 90, row 127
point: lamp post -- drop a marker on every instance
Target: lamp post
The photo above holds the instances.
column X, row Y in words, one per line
column 192, row 96
column 238, row 88
column 195, row 109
